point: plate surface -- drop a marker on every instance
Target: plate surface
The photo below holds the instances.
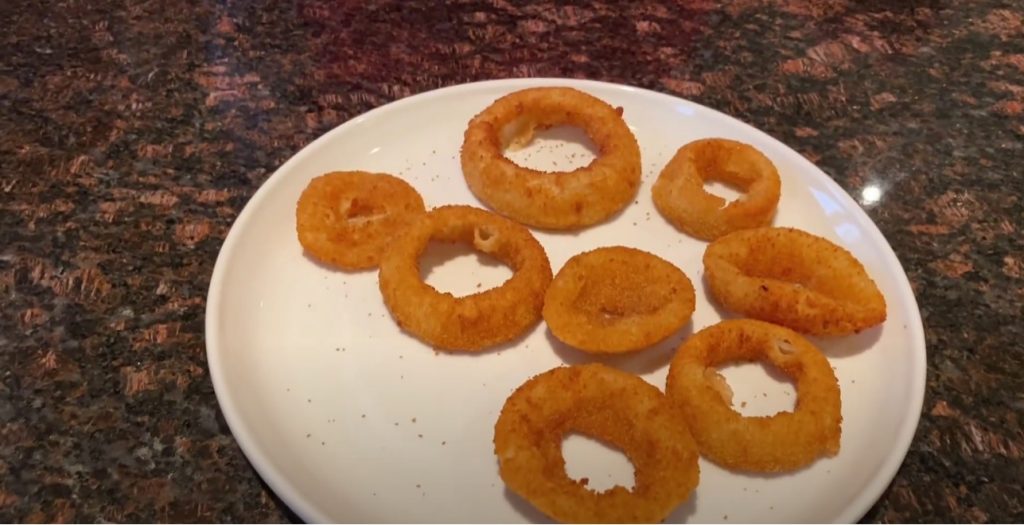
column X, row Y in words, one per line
column 349, row 419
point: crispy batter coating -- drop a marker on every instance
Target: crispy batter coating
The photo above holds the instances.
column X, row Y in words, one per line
column 347, row 218
column 680, row 196
column 480, row 320
column 560, row 200
column 792, row 278
column 617, row 299
column 782, row 442
column 607, row 404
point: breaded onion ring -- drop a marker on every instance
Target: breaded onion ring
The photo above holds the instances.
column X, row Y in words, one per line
column 795, row 279
column 561, row 200
column 617, row 299
column 479, row 320
column 604, row 403
column 680, row 196
column 347, row 218
column 782, row 442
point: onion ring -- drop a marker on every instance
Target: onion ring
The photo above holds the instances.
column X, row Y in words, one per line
column 347, row 218
column 680, row 196
column 607, row 404
column 792, row 278
column 479, row 320
column 560, row 200
column 783, row 442
column 617, row 299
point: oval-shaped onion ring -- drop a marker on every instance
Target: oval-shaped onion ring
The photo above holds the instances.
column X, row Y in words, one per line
column 476, row 321
column 561, row 200
column 347, row 218
column 604, row 403
column 680, row 196
column 792, row 278
column 782, row 442
column 617, row 299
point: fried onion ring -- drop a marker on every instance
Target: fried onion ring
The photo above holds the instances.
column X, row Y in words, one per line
column 476, row 321
column 792, row 278
column 680, row 196
column 607, row 404
column 617, row 299
column 560, row 200
column 782, row 442
column 347, row 218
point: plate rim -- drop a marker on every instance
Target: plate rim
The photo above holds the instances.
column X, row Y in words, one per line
column 257, row 457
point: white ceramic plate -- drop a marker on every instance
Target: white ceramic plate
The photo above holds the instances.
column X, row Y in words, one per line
column 349, row 419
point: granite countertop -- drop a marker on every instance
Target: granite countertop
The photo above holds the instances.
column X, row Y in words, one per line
column 133, row 132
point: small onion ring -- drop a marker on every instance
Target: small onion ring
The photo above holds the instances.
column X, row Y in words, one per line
column 613, row 406
column 680, row 197
column 795, row 279
column 782, row 442
column 347, row 218
column 480, row 320
column 617, row 299
column 561, row 200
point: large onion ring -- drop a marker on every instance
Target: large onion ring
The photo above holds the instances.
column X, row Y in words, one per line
column 561, row 200
column 795, row 279
column 617, row 299
column 782, row 442
column 680, row 196
column 604, row 403
column 347, row 218
column 479, row 320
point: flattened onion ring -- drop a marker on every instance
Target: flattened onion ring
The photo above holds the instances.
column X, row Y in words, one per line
column 480, row 320
column 783, row 442
column 680, row 196
column 604, row 403
column 792, row 278
column 617, row 299
column 347, row 218
column 562, row 200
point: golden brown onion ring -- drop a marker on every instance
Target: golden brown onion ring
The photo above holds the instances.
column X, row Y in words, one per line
column 795, row 279
column 347, row 218
column 617, row 299
column 782, row 442
column 480, row 320
column 680, row 196
column 604, row 403
column 561, row 200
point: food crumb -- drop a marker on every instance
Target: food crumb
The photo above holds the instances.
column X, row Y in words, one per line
column 743, row 404
column 364, row 416
column 307, row 435
column 413, row 420
column 420, row 435
column 443, row 443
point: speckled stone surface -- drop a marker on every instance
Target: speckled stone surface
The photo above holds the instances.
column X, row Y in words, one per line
column 133, row 132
